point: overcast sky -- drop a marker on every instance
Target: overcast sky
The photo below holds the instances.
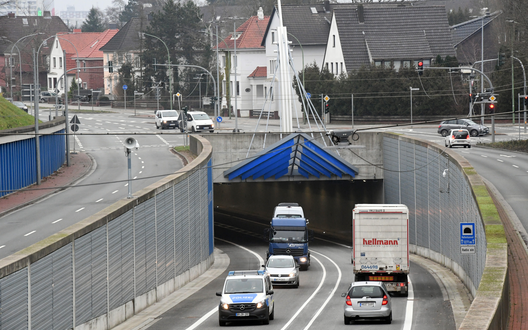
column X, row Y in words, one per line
column 85, row 5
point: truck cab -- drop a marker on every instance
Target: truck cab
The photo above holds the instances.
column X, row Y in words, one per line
column 290, row 236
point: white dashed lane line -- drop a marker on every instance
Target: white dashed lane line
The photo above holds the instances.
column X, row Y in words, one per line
column 113, row 192
column 100, row 199
column 79, row 210
column 3, row 246
column 500, row 160
column 31, row 232
column 515, row 166
column 57, row 220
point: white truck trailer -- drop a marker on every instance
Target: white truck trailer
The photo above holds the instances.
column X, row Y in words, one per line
column 380, row 238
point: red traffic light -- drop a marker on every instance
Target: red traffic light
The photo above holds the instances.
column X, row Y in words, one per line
column 420, row 63
column 492, row 106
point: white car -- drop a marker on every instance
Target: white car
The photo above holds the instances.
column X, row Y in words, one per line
column 247, row 295
column 198, row 121
column 166, row 119
column 283, row 270
column 458, row 137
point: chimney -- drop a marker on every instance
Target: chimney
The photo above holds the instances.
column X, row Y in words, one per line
column 326, row 6
column 77, row 30
column 11, row 15
column 360, row 13
column 260, row 14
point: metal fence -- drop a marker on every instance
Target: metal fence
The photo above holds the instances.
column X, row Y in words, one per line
column 18, row 155
column 146, row 247
column 439, row 197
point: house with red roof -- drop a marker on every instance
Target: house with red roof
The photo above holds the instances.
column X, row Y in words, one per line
column 250, row 73
column 82, row 52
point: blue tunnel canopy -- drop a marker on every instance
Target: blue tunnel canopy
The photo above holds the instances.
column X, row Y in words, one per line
column 296, row 155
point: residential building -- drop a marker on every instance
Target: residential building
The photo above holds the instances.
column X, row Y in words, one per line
column 387, row 34
column 72, row 44
column 124, row 46
column 245, row 73
column 18, row 36
column 74, row 18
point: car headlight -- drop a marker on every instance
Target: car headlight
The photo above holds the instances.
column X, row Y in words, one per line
column 212, row 125
column 302, row 260
column 225, row 306
column 164, row 121
column 292, row 274
column 261, row 304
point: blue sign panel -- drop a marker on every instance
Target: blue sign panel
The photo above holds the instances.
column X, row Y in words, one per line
column 125, row 87
column 219, row 119
column 308, row 95
column 467, row 233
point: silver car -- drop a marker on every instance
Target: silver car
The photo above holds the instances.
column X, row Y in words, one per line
column 367, row 300
column 283, row 270
column 474, row 129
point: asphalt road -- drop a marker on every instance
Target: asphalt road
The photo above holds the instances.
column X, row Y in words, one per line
column 317, row 303
column 106, row 185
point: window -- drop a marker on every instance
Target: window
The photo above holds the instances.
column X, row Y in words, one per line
column 57, row 43
column 377, row 63
column 84, row 66
column 235, row 62
column 238, row 88
column 223, row 61
column 332, row 67
column 272, row 37
column 406, row 64
column 85, row 85
column 326, row 66
column 342, row 69
column 60, row 62
column 260, row 91
column 333, row 39
column 50, row 86
column 272, row 65
column 54, row 62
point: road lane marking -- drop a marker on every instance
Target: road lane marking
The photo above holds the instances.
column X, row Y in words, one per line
column 100, row 199
column 310, row 298
column 331, row 293
column 484, row 156
column 31, row 232
column 407, row 323
column 162, row 139
column 500, row 160
column 515, row 166
column 57, row 220
column 3, row 246
column 79, row 210
column 113, row 192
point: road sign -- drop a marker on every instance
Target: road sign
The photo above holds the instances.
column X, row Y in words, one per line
column 178, row 94
column 492, row 98
column 467, row 233
column 308, row 95
column 219, row 119
column 326, row 98
column 125, row 87
column 75, row 120
column 467, row 249
column 74, row 127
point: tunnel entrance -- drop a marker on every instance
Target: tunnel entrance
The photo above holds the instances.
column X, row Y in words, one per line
column 327, row 204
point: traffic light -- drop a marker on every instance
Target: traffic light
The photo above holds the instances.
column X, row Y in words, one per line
column 471, row 98
column 420, row 67
column 526, row 101
column 185, row 109
column 110, row 67
column 327, row 107
column 502, row 58
column 491, row 107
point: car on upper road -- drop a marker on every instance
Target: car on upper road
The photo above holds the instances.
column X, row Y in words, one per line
column 247, row 295
column 367, row 300
column 473, row 128
column 283, row 270
column 166, row 119
column 46, row 96
column 458, row 137
column 198, row 121
column 20, row 105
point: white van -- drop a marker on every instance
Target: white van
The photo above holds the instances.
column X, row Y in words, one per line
column 198, row 121
column 166, row 119
column 288, row 210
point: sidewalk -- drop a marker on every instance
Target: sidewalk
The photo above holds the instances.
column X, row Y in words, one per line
column 80, row 165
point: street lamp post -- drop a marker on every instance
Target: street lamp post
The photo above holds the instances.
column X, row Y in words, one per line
column 169, row 63
column 411, row 89
column 11, row 61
